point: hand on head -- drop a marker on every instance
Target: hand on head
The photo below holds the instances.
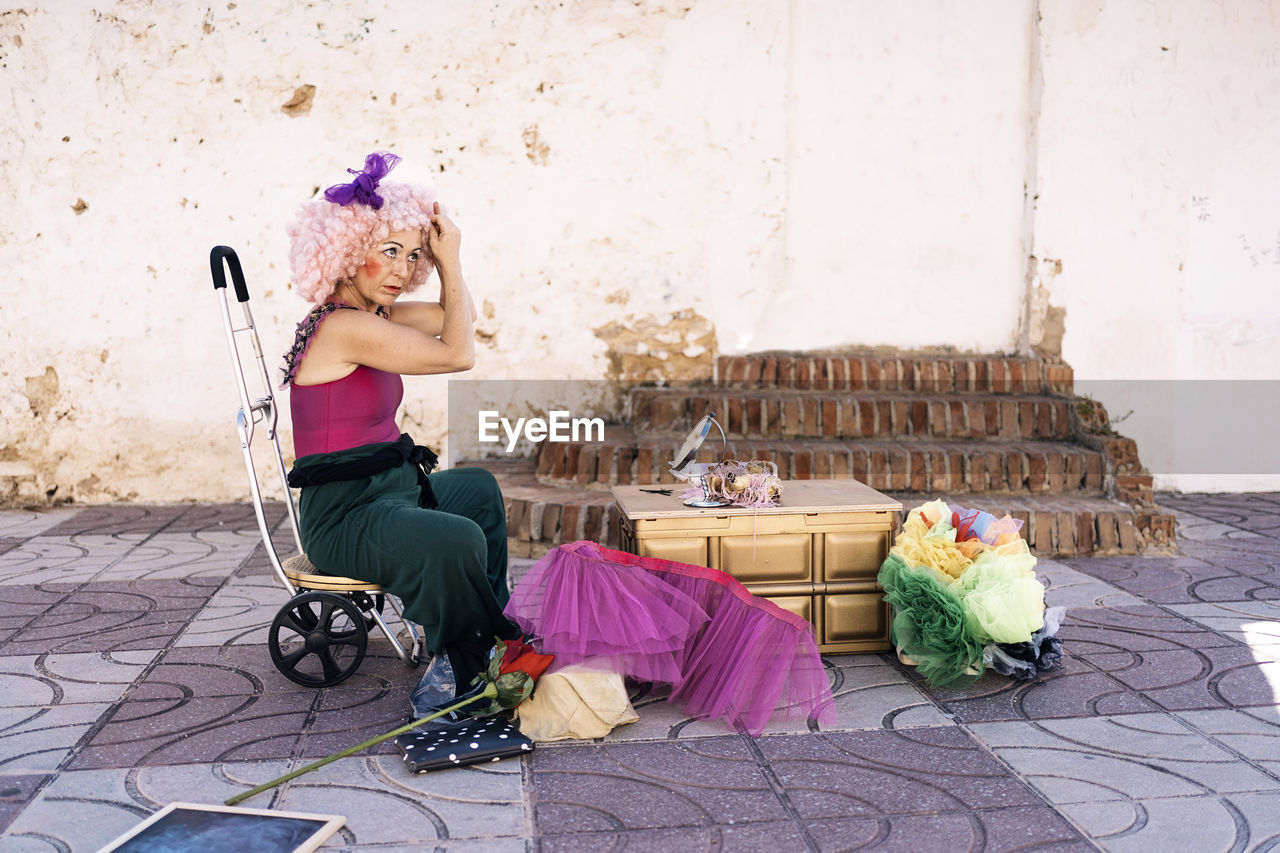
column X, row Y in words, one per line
column 444, row 239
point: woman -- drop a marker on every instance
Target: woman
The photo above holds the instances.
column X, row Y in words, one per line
column 368, row 508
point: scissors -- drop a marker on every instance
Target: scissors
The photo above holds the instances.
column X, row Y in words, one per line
column 657, row 491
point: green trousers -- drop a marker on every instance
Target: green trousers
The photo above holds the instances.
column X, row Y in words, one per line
column 447, row 565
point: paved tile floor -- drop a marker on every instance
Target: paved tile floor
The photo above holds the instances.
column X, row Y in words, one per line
column 134, row 672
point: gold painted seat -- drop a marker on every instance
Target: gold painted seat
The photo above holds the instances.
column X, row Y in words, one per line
column 303, row 574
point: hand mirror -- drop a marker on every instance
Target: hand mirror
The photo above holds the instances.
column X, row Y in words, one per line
column 684, row 468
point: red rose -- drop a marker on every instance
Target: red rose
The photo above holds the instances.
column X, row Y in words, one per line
column 523, row 657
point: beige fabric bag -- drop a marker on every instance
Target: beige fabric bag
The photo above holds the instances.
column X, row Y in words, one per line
column 575, row 701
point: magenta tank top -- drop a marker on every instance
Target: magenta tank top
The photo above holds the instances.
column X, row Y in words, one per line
column 360, row 408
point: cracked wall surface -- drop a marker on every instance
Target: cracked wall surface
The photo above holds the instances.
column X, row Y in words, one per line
column 785, row 173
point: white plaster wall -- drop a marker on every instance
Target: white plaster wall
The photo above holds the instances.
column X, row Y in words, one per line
column 603, row 159
column 906, row 158
column 802, row 173
column 1158, row 183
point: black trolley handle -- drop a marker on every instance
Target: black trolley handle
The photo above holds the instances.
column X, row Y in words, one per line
column 217, row 256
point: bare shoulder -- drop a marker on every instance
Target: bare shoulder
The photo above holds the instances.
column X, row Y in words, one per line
column 360, row 337
column 326, row 355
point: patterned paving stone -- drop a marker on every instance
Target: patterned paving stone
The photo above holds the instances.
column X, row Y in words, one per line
column 36, row 740
column 1141, row 628
column 1253, row 733
column 25, row 523
column 240, row 612
column 1252, row 512
column 1237, row 588
column 1194, row 528
column 1066, row 587
column 96, row 597
column 384, row 803
column 83, row 810
column 257, row 564
column 1140, row 756
column 660, row 720
column 32, row 599
column 616, row 787
column 779, row 836
column 35, row 681
column 1173, row 580
column 1192, row 679
column 345, row 718
column 873, row 694
column 132, row 521
column 915, row 771
column 1073, row 690
column 207, row 673
column 69, row 632
column 1256, row 558
column 1024, row 828
column 19, row 605
column 153, row 732
column 16, row 790
column 1206, row 823
column 178, row 556
column 472, row 845
column 1192, row 633
column 482, row 845
column 1254, row 623
column 245, row 670
column 59, row 559
column 238, row 517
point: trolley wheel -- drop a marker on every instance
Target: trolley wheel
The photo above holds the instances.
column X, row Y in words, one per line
column 318, row 639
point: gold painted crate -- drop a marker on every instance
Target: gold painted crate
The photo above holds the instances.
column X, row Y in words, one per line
column 816, row 555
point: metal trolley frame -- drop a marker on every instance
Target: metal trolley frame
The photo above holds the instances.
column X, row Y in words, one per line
column 319, row 637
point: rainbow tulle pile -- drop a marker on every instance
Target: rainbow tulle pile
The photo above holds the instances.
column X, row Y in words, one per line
column 965, row 597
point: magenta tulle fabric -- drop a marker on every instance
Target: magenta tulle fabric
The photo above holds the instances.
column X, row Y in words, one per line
column 726, row 653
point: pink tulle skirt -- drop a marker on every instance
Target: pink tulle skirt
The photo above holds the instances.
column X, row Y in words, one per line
column 725, row 652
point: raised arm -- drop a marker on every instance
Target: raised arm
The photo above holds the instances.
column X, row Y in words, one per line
column 429, row 316
column 410, row 343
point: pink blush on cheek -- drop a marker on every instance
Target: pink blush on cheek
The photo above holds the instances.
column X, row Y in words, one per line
column 371, row 267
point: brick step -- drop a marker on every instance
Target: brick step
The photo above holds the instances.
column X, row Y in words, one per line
column 929, row 374
column 830, row 414
column 540, row 517
column 1023, row 467
column 1066, row 525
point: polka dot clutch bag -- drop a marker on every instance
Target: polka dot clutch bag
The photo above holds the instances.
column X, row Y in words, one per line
column 469, row 742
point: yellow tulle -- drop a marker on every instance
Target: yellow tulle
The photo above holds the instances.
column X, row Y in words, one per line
column 928, row 539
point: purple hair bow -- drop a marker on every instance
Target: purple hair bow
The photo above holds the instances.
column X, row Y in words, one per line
column 364, row 188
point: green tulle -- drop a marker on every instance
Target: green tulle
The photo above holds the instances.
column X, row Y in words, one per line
column 929, row 623
column 1002, row 602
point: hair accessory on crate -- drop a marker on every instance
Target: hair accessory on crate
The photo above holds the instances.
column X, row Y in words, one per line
column 748, row 484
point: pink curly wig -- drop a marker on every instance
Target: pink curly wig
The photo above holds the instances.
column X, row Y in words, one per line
column 328, row 242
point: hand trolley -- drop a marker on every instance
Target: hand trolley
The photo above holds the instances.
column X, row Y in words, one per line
column 319, row 637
